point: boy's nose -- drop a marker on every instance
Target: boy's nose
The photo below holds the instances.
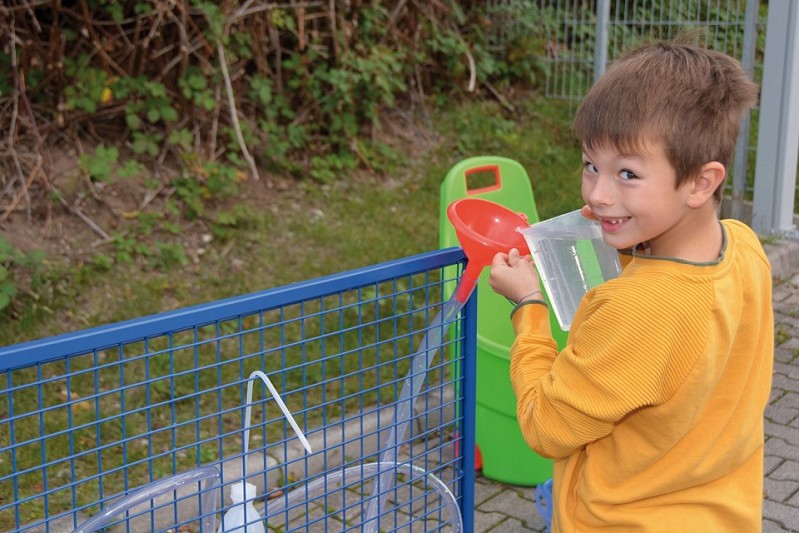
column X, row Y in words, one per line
column 600, row 192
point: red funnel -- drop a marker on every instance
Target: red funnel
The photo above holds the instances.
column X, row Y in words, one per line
column 484, row 228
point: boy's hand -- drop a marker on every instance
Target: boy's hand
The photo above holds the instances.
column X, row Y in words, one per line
column 514, row 276
column 587, row 212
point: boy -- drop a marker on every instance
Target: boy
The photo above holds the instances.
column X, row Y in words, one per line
column 653, row 411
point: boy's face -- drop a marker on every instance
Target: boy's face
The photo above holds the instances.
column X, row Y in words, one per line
column 635, row 198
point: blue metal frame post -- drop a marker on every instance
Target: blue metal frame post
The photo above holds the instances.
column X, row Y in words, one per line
column 469, row 411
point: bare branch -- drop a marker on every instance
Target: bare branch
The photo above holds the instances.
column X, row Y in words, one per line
column 75, row 210
column 24, row 192
column 234, row 114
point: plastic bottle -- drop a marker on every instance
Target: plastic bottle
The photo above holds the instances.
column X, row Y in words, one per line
column 242, row 513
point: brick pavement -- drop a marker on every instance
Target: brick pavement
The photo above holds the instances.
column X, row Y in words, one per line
column 505, row 508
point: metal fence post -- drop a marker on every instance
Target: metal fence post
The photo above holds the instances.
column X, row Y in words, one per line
column 778, row 137
column 601, row 43
column 742, row 147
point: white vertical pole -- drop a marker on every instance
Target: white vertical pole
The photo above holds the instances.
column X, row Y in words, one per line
column 778, row 136
column 739, row 169
column 601, row 42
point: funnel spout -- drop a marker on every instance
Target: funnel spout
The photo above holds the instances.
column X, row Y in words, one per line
column 468, row 281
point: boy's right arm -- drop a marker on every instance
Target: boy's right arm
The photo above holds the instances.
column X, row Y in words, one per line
column 532, row 355
column 621, row 356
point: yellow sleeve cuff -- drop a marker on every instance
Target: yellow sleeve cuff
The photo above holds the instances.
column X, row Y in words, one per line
column 531, row 317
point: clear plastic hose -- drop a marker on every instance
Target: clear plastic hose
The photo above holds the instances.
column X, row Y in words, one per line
column 415, row 473
column 209, row 474
column 408, row 395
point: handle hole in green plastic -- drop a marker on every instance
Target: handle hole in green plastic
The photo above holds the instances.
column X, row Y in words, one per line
column 482, row 179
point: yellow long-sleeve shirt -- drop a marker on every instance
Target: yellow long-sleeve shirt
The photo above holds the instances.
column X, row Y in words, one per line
column 653, row 411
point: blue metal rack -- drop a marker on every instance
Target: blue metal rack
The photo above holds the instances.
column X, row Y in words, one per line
column 89, row 417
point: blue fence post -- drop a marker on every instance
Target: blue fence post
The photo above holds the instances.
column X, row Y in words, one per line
column 469, row 411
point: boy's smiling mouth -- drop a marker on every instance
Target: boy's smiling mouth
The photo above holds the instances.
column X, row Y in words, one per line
column 612, row 224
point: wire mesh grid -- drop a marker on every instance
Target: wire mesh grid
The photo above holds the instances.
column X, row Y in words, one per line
column 570, row 36
column 564, row 32
column 87, row 418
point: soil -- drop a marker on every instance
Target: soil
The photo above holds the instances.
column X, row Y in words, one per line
column 82, row 224
column 90, row 212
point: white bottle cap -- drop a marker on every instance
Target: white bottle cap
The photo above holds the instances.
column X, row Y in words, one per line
column 237, row 492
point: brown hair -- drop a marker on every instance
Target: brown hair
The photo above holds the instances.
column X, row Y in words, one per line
column 690, row 98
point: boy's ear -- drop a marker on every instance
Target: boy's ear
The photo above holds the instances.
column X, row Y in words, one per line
column 705, row 184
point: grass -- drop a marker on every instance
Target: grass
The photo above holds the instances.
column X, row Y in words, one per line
column 306, row 231
column 313, row 229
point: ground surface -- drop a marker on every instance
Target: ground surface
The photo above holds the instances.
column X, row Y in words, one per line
column 86, row 226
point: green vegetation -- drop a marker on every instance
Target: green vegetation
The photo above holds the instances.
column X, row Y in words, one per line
column 302, row 231
column 176, row 113
column 782, row 335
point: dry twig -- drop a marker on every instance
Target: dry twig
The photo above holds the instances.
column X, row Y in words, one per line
column 234, row 114
column 23, row 193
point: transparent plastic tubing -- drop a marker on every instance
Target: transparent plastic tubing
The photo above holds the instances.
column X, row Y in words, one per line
column 414, row 472
column 410, row 391
column 248, row 414
column 208, row 498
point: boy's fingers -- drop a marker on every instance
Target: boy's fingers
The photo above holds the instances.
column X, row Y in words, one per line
column 499, row 259
column 587, row 212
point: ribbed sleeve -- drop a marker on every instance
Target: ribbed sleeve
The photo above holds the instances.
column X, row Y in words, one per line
column 633, row 346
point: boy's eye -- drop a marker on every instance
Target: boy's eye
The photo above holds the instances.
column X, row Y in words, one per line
column 627, row 175
column 588, row 166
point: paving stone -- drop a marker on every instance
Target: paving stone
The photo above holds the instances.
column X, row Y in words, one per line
column 781, row 517
column 782, row 415
column 778, row 447
column 790, row 435
column 769, row 526
column 785, row 356
column 515, row 502
column 779, row 491
column 788, row 400
column 512, row 525
column 789, row 470
column 771, row 462
column 791, row 344
column 789, row 370
column 487, row 521
column 59, row 525
column 485, row 491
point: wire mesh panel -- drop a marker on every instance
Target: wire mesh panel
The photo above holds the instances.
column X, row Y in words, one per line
column 89, row 418
column 575, row 38
column 564, row 32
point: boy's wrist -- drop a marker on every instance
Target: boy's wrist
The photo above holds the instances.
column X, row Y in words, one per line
column 535, row 295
